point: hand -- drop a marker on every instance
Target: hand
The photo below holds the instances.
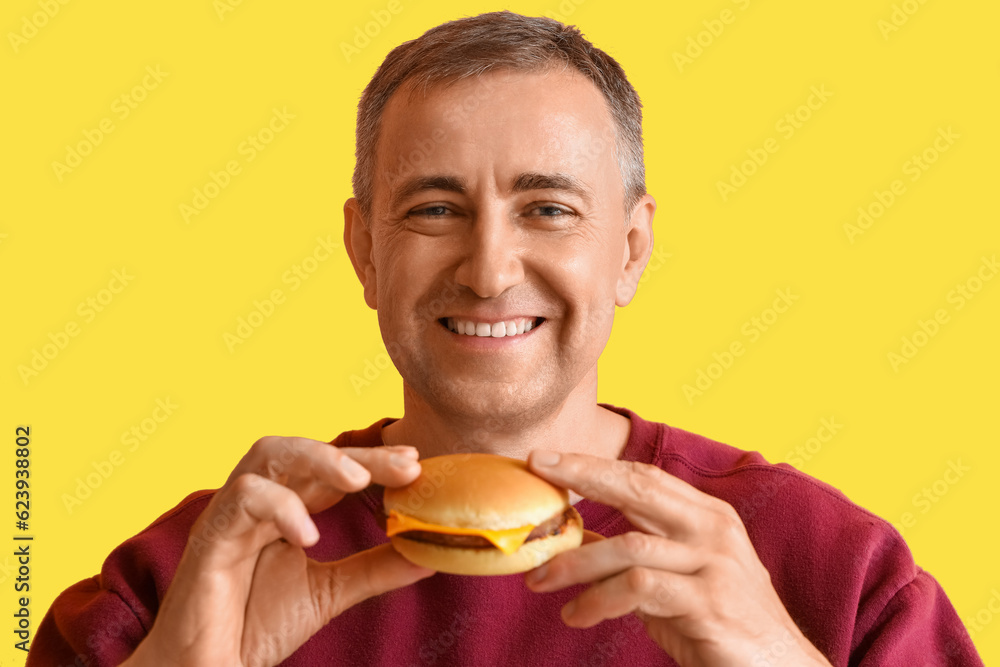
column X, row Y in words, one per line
column 244, row 592
column 691, row 575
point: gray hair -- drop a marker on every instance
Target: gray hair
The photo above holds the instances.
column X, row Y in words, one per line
column 497, row 41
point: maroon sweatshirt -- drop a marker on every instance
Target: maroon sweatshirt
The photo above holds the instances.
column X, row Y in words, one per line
column 845, row 576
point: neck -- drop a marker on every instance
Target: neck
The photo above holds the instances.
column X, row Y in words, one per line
column 578, row 425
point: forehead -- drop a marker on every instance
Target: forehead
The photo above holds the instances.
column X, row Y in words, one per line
column 554, row 120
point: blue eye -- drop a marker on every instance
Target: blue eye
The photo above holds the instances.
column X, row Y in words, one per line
column 549, row 211
column 430, row 211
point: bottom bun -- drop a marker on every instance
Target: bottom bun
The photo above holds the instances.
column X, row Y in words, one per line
column 455, row 560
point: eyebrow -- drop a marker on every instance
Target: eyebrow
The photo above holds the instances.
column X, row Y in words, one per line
column 422, row 183
column 524, row 182
column 558, row 181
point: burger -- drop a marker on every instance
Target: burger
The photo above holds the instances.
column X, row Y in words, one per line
column 480, row 514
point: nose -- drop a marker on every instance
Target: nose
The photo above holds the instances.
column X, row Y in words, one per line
column 491, row 261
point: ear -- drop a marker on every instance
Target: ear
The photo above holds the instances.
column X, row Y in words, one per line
column 638, row 248
column 358, row 240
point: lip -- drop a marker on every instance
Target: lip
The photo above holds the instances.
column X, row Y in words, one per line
column 490, row 317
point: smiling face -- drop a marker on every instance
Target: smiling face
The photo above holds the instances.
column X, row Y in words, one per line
column 497, row 249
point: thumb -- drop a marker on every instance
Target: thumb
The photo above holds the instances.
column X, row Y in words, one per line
column 340, row 585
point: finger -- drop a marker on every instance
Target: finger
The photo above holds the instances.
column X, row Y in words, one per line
column 590, row 536
column 272, row 456
column 322, row 473
column 388, row 466
column 340, row 585
column 642, row 590
column 282, row 459
column 653, row 500
column 603, row 559
column 247, row 514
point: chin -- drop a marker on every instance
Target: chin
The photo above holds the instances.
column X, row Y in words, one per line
column 493, row 406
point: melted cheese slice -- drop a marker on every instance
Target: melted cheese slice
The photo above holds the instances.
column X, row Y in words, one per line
column 507, row 541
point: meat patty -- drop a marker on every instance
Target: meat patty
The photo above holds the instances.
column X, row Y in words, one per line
column 553, row 526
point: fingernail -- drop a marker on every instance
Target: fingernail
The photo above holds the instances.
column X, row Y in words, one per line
column 545, row 458
column 569, row 608
column 401, row 461
column 310, row 534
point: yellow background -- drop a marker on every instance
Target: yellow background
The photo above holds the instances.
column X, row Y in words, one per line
column 162, row 336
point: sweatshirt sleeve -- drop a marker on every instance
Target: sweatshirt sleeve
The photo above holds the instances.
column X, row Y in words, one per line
column 845, row 576
column 87, row 625
column 918, row 626
column 100, row 621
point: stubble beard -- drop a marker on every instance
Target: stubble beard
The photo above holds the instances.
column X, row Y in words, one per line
column 488, row 398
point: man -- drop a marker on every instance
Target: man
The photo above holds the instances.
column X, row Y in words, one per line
column 500, row 217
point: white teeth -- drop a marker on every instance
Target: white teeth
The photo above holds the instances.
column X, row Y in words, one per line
column 485, row 329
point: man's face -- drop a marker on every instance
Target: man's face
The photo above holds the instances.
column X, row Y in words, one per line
column 498, row 209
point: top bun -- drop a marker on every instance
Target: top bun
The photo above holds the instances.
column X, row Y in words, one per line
column 483, row 491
